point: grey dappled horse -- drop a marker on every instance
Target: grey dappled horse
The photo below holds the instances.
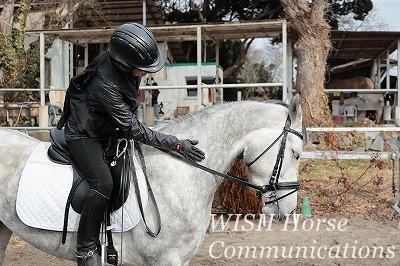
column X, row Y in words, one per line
column 253, row 131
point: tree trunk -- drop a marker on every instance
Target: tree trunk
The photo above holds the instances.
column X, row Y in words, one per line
column 311, row 47
column 6, row 16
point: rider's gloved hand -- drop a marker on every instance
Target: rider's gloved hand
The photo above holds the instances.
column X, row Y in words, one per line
column 188, row 150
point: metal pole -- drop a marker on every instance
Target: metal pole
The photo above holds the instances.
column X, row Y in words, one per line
column 289, row 66
column 397, row 107
column 199, row 100
column 285, row 92
column 379, row 68
column 86, row 54
column 144, row 109
column 43, row 109
column 71, row 60
column 217, row 80
column 217, row 62
column 144, row 13
column 42, row 69
column 398, row 72
column 387, row 69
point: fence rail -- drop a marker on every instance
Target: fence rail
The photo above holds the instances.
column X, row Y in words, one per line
column 348, row 155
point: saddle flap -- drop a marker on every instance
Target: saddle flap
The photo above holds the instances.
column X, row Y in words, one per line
column 58, row 152
column 57, row 157
column 58, row 140
column 121, row 185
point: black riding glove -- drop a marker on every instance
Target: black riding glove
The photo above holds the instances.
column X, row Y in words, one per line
column 188, row 150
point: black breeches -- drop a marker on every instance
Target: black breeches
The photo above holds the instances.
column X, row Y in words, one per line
column 88, row 153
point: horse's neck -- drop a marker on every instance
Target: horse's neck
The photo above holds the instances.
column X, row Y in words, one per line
column 221, row 137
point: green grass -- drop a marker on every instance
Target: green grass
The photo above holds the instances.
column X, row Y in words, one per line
column 13, row 240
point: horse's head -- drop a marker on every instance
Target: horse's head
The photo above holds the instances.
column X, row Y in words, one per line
column 273, row 157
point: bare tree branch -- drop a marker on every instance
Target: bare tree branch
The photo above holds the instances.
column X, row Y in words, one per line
column 244, row 47
column 71, row 11
column 268, row 14
column 65, row 11
column 193, row 6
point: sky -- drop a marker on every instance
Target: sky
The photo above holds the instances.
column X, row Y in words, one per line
column 389, row 11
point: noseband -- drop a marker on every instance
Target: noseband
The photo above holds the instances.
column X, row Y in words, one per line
column 274, row 184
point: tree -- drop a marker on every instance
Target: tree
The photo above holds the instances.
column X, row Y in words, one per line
column 336, row 9
column 12, row 52
column 20, row 67
column 371, row 22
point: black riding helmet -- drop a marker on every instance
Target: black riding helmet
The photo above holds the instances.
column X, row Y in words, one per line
column 134, row 46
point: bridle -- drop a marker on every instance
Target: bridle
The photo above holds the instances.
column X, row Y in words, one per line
column 274, row 184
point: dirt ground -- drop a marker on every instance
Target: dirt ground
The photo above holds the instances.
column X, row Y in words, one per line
column 335, row 241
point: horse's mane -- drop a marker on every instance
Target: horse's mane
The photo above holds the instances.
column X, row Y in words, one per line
column 209, row 110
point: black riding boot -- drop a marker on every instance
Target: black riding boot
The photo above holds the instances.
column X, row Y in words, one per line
column 89, row 229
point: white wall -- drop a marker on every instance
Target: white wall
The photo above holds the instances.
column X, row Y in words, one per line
column 176, row 75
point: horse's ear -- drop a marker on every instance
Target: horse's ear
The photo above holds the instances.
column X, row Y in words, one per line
column 295, row 111
column 296, row 115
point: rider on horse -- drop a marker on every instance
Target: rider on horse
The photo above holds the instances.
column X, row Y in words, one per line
column 100, row 100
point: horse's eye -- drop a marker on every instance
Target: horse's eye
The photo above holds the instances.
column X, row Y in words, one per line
column 296, row 155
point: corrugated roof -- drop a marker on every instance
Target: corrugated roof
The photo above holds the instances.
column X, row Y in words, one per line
column 346, row 44
column 109, row 13
column 362, row 44
column 176, row 33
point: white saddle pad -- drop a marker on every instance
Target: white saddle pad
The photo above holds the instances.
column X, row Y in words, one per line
column 43, row 191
